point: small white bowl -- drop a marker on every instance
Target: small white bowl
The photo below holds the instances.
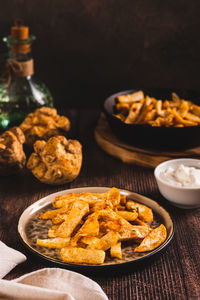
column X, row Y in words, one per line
column 183, row 197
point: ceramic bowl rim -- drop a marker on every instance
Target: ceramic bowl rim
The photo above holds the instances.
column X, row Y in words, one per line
column 171, row 161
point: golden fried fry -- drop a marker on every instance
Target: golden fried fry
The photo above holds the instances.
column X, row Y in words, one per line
column 195, row 109
column 116, row 250
column 89, row 229
column 88, row 224
column 136, row 233
column 144, row 110
column 127, row 215
column 144, row 213
column 88, row 240
column 59, row 218
column 159, row 110
column 141, row 223
column 52, row 213
column 82, row 256
column 52, row 231
column 179, row 120
column 57, row 243
column 183, row 108
column 90, row 198
column 150, row 116
column 154, row 239
column 147, row 110
column 104, row 243
column 105, row 226
column 113, row 196
column 175, row 97
column 78, row 210
column 130, row 98
column 192, row 117
column 133, row 112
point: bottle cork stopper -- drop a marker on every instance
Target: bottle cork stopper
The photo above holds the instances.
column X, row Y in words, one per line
column 19, row 31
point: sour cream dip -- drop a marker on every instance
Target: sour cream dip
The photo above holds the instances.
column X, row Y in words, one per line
column 181, row 176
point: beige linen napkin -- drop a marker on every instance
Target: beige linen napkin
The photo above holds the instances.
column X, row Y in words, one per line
column 9, row 258
column 51, row 284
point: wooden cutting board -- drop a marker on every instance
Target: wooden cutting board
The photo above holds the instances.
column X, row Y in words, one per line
column 112, row 145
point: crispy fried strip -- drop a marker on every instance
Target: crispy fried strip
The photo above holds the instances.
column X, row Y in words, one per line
column 104, row 243
column 82, row 256
column 57, row 243
column 153, row 240
column 137, row 233
column 78, row 210
column 130, row 98
column 52, row 213
column 127, row 215
column 144, row 213
column 52, row 231
column 116, row 251
column 89, row 229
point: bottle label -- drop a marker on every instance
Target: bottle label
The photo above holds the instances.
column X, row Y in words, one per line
column 21, row 68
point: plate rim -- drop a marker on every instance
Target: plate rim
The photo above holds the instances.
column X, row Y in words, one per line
column 80, row 267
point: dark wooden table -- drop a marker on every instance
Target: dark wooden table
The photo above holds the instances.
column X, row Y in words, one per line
column 173, row 275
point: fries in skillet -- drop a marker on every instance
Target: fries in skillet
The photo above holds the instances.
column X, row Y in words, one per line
column 89, row 226
column 137, row 108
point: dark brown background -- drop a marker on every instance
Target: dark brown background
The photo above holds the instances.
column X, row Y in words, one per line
column 88, row 49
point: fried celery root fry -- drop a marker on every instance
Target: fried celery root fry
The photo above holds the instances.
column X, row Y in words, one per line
column 136, row 233
column 127, row 231
column 116, row 251
column 110, row 225
column 104, row 243
column 50, row 214
column 176, row 112
column 59, row 218
column 137, row 221
column 192, row 117
column 144, row 213
column 153, row 240
column 56, row 243
column 133, row 112
column 101, row 204
column 88, row 240
column 195, row 109
column 52, row 231
column 130, row 98
column 78, row 210
column 90, row 198
column 179, row 120
column 85, row 225
column 82, row 256
column 159, row 109
column 175, row 97
column 113, row 196
column 89, row 229
column 128, row 215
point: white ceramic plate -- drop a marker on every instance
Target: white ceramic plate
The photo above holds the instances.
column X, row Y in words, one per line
column 30, row 227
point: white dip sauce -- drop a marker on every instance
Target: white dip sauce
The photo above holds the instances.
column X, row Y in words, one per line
column 181, row 176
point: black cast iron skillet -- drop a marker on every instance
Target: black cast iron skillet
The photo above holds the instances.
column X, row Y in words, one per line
column 146, row 136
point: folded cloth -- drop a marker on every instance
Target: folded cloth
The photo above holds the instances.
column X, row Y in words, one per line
column 51, row 284
column 9, row 258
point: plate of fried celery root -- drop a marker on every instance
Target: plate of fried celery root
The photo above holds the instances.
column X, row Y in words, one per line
column 95, row 227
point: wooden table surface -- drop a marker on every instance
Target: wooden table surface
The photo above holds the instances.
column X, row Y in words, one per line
column 173, row 275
